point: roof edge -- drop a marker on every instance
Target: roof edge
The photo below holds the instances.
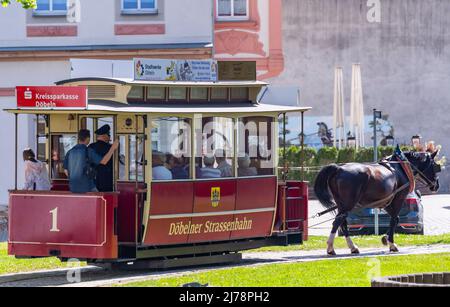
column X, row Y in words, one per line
column 111, row 80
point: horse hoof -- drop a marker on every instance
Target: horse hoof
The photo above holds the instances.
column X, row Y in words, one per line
column 385, row 240
column 331, row 253
column 394, row 249
column 356, row 251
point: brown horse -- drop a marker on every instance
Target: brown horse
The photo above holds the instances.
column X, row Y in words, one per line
column 384, row 186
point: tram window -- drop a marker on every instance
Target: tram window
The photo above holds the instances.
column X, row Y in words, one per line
column 199, row 94
column 171, row 148
column 41, row 146
column 61, row 144
column 218, row 144
column 255, row 142
column 140, row 157
column 219, row 94
column 156, row 93
column 239, row 94
column 41, row 125
column 88, row 123
column 177, row 93
column 41, row 138
column 123, row 162
column 136, row 94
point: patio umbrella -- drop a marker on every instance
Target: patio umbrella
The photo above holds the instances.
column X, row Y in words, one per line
column 357, row 122
column 339, row 109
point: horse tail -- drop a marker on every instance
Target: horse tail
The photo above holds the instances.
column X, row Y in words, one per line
column 321, row 187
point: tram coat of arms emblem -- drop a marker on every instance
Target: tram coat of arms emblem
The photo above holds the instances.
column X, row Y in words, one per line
column 215, row 197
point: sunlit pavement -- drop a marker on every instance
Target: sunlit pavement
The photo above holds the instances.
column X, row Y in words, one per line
column 436, row 214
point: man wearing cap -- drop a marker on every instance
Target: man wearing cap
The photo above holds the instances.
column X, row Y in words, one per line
column 104, row 177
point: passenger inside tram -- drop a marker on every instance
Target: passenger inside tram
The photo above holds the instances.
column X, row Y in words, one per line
column 177, row 167
column 225, row 168
column 245, row 169
column 160, row 171
column 209, row 172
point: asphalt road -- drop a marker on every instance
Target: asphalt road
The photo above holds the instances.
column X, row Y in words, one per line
column 436, row 214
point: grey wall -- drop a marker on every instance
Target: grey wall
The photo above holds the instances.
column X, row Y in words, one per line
column 405, row 59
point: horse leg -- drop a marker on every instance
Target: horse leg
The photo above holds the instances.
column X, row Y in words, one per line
column 340, row 218
column 393, row 210
column 390, row 235
column 354, row 249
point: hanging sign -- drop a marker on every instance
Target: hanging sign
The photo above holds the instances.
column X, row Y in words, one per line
column 52, row 97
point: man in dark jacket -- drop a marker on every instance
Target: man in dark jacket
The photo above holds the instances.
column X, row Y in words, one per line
column 104, row 178
column 78, row 160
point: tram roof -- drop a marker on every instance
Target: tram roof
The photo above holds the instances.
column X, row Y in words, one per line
column 112, row 107
column 127, row 81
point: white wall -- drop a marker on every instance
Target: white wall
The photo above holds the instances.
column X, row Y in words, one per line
column 185, row 21
column 13, row 74
column 82, row 68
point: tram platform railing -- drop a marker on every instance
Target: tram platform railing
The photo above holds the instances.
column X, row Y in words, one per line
column 292, row 215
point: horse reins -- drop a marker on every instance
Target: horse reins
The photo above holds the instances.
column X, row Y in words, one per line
column 422, row 176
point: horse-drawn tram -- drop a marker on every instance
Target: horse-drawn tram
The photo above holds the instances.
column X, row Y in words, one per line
column 195, row 177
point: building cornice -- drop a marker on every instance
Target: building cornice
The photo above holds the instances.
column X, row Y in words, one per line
column 59, row 53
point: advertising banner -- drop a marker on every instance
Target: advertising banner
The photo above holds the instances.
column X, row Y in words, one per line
column 175, row 70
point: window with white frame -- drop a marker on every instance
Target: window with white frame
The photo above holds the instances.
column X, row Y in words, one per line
column 232, row 9
column 139, row 6
column 51, row 7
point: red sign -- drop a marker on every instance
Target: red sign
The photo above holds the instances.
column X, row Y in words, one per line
column 52, row 97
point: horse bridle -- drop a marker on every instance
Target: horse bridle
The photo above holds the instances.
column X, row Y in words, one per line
column 421, row 175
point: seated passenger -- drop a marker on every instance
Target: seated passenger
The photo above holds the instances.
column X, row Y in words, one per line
column 244, row 169
column 160, row 171
column 36, row 175
column 226, row 170
column 177, row 167
column 209, row 171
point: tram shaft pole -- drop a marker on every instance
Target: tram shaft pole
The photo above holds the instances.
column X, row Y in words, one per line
column 16, row 150
column 375, row 159
column 302, row 145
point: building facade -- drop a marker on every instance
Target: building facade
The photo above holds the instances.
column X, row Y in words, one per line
column 36, row 48
column 250, row 30
column 403, row 48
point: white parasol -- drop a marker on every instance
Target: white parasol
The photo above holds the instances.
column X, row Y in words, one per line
column 339, row 109
column 357, row 122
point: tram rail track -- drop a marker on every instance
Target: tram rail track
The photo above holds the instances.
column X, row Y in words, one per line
column 100, row 277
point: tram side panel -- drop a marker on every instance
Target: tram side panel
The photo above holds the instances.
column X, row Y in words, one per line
column 211, row 211
column 65, row 225
column 257, row 198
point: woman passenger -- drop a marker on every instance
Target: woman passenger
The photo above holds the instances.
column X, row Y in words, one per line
column 177, row 167
column 36, row 174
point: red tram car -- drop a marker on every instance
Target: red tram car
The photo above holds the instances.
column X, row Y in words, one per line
column 154, row 222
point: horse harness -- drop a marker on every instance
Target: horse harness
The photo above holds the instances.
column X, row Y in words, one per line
column 407, row 169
